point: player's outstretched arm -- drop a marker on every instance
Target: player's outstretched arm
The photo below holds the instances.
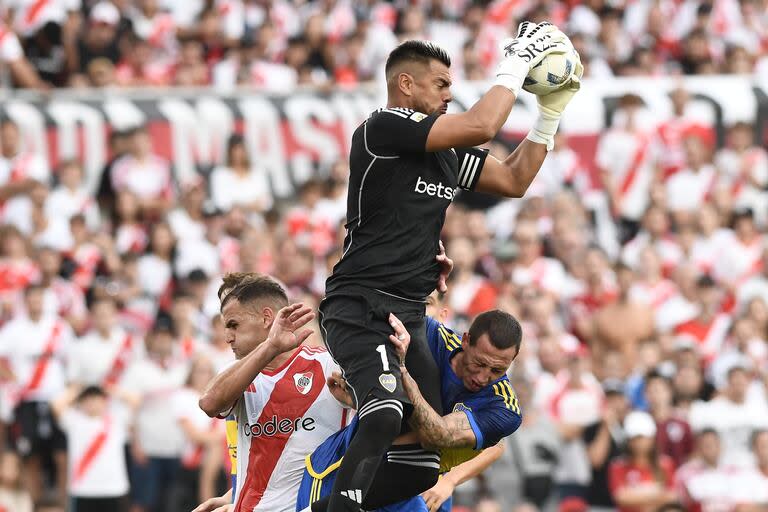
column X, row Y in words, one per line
column 212, row 504
column 437, row 495
column 485, row 118
column 228, row 386
column 512, row 176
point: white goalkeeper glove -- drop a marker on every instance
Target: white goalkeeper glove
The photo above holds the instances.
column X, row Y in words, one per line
column 519, row 55
column 552, row 105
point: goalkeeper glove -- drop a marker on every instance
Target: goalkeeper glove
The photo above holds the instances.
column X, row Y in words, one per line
column 551, row 108
column 519, row 55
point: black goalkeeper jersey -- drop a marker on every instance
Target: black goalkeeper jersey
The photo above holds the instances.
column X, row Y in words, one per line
column 397, row 198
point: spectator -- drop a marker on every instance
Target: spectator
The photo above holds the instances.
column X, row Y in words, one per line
column 202, row 434
column 96, row 437
column 710, row 327
column 23, row 72
column 17, row 268
column 690, row 188
column 732, row 416
column 605, row 442
column 240, row 183
column 532, row 268
column 470, row 293
column 145, row 174
column 642, row 478
column 71, row 197
column 750, row 490
column 129, row 233
column 625, row 159
column 704, row 481
column 62, row 297
column 623, row 324
column 20, row 169
column 673, row 434
column 101, row 357
column 219, row 350
column 155, row 268
column 524, row 472
column 13, row 493
column 155, row 452
column 574, row 404
column 743, row 259
column 100, row 41
column 37, row 368
column 745, row 167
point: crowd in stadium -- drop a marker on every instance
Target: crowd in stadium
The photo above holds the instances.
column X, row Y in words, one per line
column 643, row 290
column 278, row 44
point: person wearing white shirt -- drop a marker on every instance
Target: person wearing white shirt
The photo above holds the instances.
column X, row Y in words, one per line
column 158, row 440
column 187, row 221
column 751, row 488
column 240, row 182
column 202, row 434
column 155, row 267
column 533, row 269
column 732, row 416
column 35, row 347
column 62, row 297
column 145, row 174
column 96, row 435
column 101, row 357
column 38, row 225
column 219, row 350
column 19, row 170
column 71, row 197
column 690, row 188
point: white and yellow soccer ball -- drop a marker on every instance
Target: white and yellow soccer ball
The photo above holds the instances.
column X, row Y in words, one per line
column 551, row 73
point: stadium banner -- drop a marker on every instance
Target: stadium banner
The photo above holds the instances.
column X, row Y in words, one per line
column 295, row 136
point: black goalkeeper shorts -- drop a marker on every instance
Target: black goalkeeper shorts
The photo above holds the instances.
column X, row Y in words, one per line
column 354, row 323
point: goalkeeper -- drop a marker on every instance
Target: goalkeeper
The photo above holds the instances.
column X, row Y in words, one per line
column 474, row 387
column 407, row 161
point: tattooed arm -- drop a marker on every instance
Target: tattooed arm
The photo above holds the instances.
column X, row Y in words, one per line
column 435, row 431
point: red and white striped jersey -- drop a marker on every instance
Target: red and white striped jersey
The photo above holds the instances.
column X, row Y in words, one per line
column 628, row 159
column 547, row 274
column 38, row 363
column 709, row 337
column 688, row 190
column 282, row 417
column 740, row 261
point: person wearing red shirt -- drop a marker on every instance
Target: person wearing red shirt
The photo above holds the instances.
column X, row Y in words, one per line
column 674, row 436
column 642, row 481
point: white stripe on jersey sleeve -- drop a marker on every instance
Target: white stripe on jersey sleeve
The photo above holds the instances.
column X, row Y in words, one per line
column 471, row 174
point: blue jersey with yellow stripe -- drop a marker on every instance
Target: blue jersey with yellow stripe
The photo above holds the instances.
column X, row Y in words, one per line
column 493, row 412
column 231, row 430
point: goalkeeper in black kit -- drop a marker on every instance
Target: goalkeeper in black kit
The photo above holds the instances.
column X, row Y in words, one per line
column 407, row 162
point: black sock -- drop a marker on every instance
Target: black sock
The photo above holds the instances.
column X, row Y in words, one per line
column 380, row 422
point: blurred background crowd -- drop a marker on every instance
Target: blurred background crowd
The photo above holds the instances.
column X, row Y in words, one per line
column 642, row 287
column 277, row 44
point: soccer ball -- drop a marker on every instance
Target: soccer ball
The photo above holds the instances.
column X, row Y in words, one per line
column 551, row 73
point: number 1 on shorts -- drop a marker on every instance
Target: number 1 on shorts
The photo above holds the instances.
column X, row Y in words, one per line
column 384, row 361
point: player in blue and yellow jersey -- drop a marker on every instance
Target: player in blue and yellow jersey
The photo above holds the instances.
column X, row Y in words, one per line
column 474, row 388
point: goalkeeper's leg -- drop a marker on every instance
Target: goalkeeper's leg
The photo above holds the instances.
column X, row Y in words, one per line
column 407, row 471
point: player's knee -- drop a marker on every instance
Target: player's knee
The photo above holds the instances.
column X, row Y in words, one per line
column 381, row 419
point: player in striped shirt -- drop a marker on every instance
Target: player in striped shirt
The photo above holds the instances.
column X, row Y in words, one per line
column 276, row 391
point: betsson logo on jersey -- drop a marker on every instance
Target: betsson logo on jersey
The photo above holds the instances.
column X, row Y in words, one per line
column 439, row 190
column 275, row 426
